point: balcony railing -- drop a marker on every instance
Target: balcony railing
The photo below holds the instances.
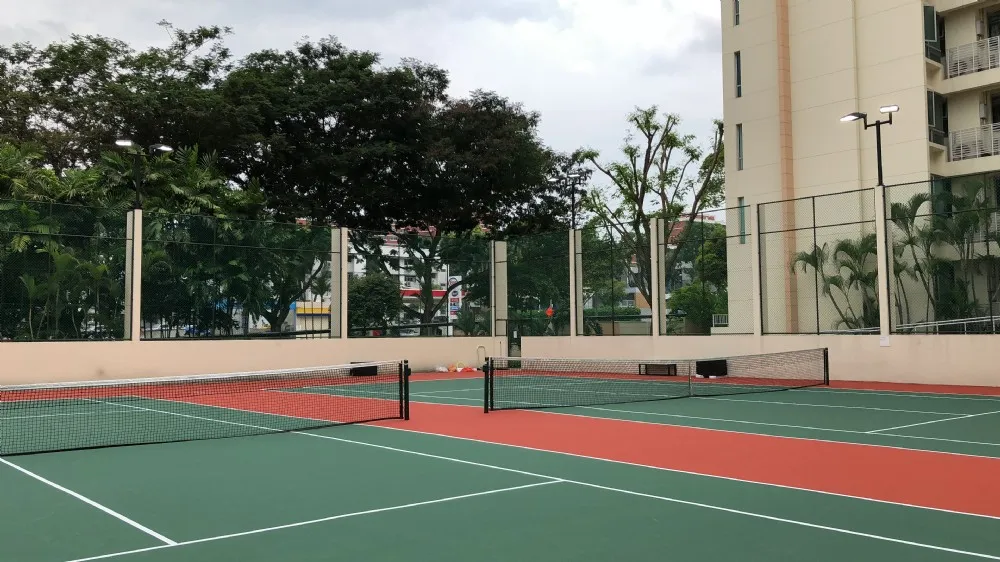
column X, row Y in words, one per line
column 973, row 57
column 974, row 143
column 720, row 320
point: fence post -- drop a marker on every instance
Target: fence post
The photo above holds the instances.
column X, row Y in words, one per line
column 656, row 285
column 337, row 266
column 819, row 264
column 883, row 261
column 757, row 272
column 133, row 275
column 345, row 260
column 498, row 282
column 576, row 281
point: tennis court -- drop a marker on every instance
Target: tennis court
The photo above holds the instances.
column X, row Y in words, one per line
column 761, row 476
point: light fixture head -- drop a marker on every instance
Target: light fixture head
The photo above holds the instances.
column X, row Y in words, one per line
column 161, row 148
column 889, row 108
column 124, row 143
column 856, row 116
column 575, row 174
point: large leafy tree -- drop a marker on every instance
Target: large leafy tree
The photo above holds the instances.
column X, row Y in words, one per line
column 319, row 131
column 74, row 98
column 481, row 169
column 662, row 173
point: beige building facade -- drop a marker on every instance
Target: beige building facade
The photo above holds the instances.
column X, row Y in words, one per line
column 792, row 69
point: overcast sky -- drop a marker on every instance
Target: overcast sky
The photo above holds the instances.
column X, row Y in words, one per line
column 583, row 64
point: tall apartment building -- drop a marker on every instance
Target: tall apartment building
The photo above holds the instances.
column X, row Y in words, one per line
column 793, row 68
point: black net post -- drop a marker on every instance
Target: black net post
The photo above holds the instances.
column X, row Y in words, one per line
column 826, row 366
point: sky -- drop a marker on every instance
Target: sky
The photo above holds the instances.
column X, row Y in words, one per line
column 582, row 64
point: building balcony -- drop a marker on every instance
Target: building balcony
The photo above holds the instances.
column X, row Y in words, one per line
column 973, row 57
column 977, row 142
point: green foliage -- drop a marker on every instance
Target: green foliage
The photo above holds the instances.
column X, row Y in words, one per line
column 320, row 131
column 696, row 303
column 848, row 278
column 652, row 180
column 943, row 268
column 375, row 302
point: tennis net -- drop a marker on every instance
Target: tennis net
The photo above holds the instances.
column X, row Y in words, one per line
column 524, row 383
column 60, row 417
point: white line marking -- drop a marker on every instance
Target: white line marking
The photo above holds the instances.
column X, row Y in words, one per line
column 827, row 406
column 904, row 394
column 933, row 421
column 323, row 520
column 472, row 463
column 90, row 502
column 792, row 522
column 849, row 431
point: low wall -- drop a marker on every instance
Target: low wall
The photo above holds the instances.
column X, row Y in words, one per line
column 78, row 361
column 960, row 360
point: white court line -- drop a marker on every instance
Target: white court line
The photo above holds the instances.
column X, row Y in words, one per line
column 811, row 428
column 323, row 520
column 904, row 394
column 613, row 461
column 933, row 421
column 827, row 406
column 554, row 479
column 90, row 502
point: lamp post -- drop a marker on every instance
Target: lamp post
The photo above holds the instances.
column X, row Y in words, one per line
column 571, row 179
column 860, row 116
column 153, row 149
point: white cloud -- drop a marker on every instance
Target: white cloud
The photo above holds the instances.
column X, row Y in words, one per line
column 584, row 64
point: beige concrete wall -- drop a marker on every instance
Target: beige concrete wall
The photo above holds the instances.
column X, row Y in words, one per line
column 77, row 361
column 962, row 360
column 963, row 110
column 960, row 27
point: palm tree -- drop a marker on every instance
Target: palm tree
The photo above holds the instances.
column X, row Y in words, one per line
column 854, row 278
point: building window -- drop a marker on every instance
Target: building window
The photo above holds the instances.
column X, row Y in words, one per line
column 739, row 74
column 739, row 146
column 736, row 12
column 741, row 203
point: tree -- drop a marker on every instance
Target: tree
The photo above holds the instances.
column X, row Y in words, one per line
column 663, row 174
column 849, row 267
column 375, row 302
column 481, row 167
column 73, row 99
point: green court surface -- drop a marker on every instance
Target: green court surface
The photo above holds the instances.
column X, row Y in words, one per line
column 385, row 493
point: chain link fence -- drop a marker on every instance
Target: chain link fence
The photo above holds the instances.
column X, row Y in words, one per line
column 209, row 277
column 945, row 255
column 62, row 272
column 707, row 268
column 418, row 283
column 616, row 281
column 538, row 286
column 819, row 265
